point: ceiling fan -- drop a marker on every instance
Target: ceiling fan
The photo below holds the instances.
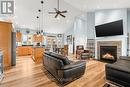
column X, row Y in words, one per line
column 58, row 12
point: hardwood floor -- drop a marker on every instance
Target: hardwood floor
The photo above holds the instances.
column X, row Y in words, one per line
column 28, row 74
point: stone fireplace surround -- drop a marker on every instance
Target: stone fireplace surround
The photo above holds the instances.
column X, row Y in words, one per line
column 109, row 43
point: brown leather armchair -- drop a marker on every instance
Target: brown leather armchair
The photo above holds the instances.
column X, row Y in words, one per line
column 81, row 53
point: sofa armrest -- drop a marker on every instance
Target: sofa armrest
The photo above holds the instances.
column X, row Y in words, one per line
column 74, row 65
column 118, row 74
column 72, row 71
column 118, row 68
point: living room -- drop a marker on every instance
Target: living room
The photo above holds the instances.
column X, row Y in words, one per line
column 65, row 43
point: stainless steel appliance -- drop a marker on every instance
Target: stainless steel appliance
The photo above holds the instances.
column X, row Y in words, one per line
column 1, row 65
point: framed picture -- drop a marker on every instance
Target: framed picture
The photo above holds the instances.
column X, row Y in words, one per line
column 69, row 39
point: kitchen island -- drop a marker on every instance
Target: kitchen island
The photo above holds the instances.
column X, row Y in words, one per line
column 38, row 52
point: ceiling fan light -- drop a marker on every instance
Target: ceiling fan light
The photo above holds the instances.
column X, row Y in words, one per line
column 58, row 18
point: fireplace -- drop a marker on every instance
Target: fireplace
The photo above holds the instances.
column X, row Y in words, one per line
column 116, row 46
column 108, row 53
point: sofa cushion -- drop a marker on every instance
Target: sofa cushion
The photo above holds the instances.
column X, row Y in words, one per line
column 65, row 60
column 122, row 65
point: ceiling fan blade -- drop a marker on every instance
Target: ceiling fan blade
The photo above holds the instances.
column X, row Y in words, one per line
column 62, row 15
column 52, row 12
column 63, row 12
column 56, row 10
column 56, row 15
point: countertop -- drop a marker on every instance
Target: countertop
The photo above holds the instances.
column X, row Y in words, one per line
column 25, row 45
column 38, row 46
column 31, row 46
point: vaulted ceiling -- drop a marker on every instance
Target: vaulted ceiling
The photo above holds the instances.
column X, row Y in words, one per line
column 92, row 5
column 27, row 10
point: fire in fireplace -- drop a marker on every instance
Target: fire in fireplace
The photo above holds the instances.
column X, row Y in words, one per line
column 108, row 56
column 108, row 53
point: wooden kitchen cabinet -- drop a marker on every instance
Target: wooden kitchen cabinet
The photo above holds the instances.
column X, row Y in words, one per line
column 18, row 37
column 24, row 50
column 6, row 30
column 38, row 38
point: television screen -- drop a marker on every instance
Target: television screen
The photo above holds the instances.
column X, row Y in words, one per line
column 110, row 29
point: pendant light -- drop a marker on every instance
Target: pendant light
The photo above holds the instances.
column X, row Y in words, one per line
column 42, row 2
column 40, row 29
column 37, row 32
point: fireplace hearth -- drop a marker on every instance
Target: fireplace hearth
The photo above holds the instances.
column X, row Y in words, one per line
column 108, row 53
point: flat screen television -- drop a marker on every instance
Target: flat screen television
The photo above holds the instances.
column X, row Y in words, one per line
column 110, row 29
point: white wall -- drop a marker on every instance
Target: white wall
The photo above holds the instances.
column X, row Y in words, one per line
column 128, row 15
column 90, row 25
column 69, row 32
column 84, row 28
column 80, row 31
column 106, row 16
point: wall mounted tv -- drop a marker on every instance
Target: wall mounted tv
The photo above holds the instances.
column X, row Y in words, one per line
column 110, row 29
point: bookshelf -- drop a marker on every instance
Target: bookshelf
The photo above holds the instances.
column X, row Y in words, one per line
column 53, row 42
column 50, row 42
column 91, row 45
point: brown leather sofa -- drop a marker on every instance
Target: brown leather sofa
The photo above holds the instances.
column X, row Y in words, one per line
column 62, row 68
column 119, row 72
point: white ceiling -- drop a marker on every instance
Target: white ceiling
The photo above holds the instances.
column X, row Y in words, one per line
column 92, row 5
column 27, row 10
